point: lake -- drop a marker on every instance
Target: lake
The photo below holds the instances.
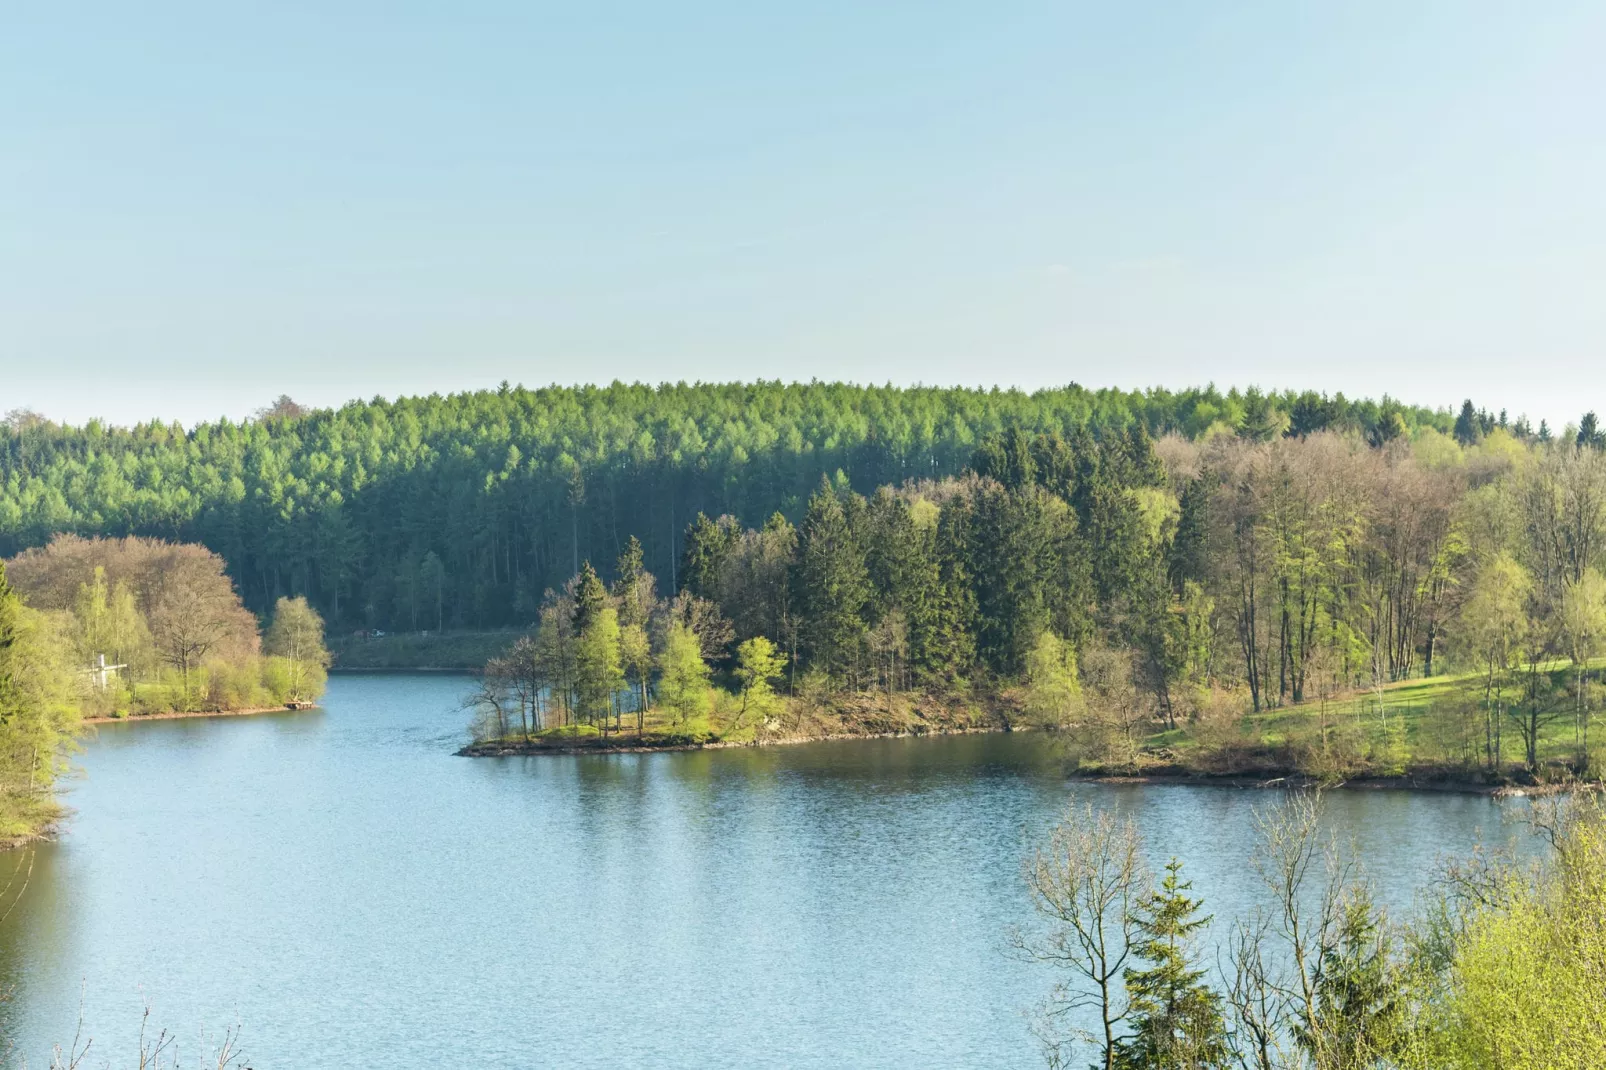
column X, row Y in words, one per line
column 353, row 894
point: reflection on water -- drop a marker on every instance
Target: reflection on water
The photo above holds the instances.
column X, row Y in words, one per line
column 354, row 894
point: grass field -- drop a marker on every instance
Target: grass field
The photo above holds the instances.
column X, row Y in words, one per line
column 1418, row 727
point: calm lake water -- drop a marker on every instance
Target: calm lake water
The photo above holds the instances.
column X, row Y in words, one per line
column 354, row 895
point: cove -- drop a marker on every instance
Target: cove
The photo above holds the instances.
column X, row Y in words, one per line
column 340, row 884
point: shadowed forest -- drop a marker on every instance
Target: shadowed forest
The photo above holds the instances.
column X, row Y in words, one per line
column 459, row 512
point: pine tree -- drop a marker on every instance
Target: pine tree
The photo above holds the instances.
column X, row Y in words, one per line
column 1177, row 1021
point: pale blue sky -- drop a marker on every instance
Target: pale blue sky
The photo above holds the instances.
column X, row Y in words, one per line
column 204, row 205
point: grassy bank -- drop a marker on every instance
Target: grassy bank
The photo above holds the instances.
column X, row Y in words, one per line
column 1413, row 733
column 1419, row 731
column 421, row 650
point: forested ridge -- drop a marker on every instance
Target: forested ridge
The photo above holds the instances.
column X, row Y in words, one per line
column 462, row 511
column 1161, row 599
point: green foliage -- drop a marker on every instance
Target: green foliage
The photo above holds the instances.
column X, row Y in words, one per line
column 1054, row 690
column 1360, row 990
column 832, row 586
column 510, row 489
column 296, row 637
column 1517, row 985
column 599, row 674
column 1176, row 1018
column 683, row 687
column 39, row 714
column 758, row 663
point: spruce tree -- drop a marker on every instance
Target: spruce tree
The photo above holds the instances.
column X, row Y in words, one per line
column 1360, row 1015
column 1467, row 429
column 947, row 650
column 1177, row 1021
column 708, row 544
column 590, row 596
column 832, row 585
column 633, row 586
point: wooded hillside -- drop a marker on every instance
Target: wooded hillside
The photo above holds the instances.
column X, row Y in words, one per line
column 461, row 511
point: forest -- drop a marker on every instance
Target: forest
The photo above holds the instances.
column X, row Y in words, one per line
column 461, row 511
column 1227, row 604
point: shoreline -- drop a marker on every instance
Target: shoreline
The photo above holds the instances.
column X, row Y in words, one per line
column 1290, row 780
column 185, row 715
column 1298, row 782
column 527, row 748
column 370, row 670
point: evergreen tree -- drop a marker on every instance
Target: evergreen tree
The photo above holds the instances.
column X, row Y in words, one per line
column 1176, row 1017
column 1027, row 572
column 832, row 587
column 1055, row 464
column 1188, row 556
column 1467, row 429
column 946, row 650
column 1360, row 1013
column 634, row 589
column 1590, row 435
column 708, row 544
column 1118, row 543
column 590, row 597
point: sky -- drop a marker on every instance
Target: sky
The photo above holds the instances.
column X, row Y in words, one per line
column 204, row 206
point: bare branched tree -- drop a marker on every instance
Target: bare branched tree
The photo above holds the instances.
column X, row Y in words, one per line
column 1085, row 882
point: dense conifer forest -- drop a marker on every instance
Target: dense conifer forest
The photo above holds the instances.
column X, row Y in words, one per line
column 461, row 511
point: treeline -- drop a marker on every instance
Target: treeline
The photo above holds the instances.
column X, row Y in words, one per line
column 1121, row 585
column 144, row 626
column 1501, row 967
column 129, row 627
column 428, row 513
